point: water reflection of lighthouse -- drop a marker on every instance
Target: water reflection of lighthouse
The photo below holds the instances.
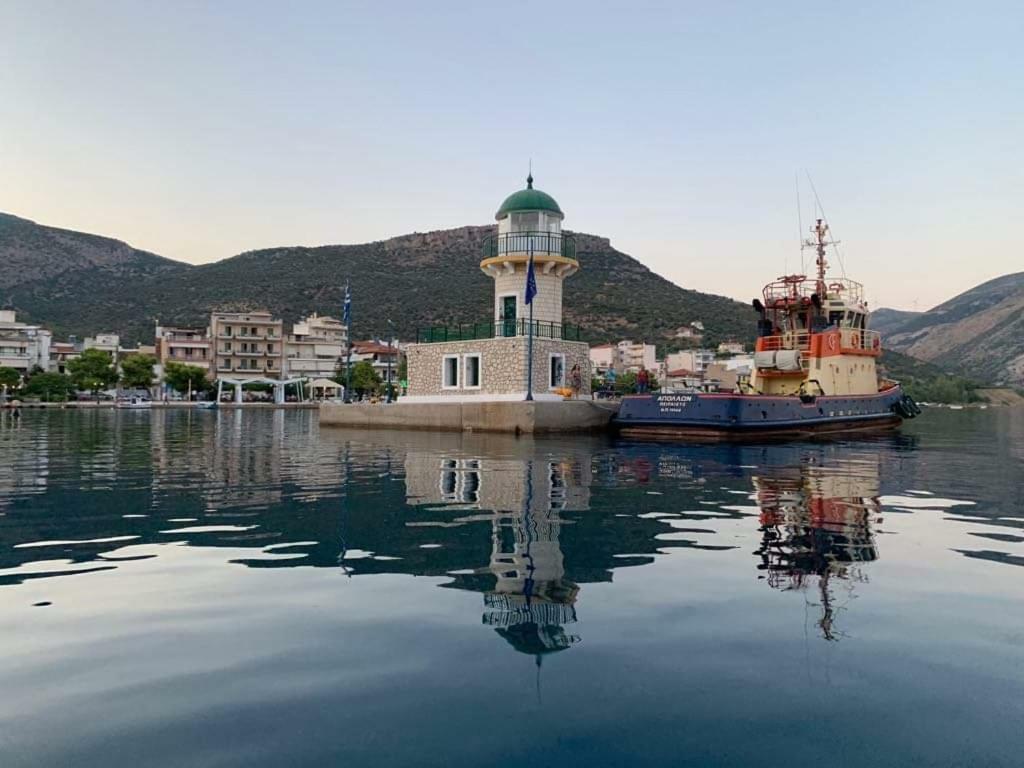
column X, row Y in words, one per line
column 816, row 527
column 530, row 603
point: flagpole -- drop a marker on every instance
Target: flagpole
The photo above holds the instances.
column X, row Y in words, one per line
column 529, row 338
column 347, row 314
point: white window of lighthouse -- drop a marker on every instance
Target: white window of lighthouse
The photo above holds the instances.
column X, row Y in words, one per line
column 526, row 222
column 471, row 379
column 450, row 372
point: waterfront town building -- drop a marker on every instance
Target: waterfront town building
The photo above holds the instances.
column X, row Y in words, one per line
column 247, row 345
column 488, row 361
column 695, row 360
column 105, row 342
column 383, row 356
column 731, row 348
column 23, row 346
column 315, row 347
column 603, row 358
column 189, row 346
column 632, row 356
column 61, row 352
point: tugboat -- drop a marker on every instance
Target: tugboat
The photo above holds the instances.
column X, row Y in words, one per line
column 814, row 371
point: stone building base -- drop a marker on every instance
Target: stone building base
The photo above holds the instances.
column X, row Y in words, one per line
column 519, row 417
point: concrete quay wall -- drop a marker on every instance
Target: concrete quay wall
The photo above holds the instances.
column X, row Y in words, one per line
column 517, row 417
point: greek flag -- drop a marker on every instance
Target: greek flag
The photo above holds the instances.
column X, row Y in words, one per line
column 531, row 281
column 347, row 314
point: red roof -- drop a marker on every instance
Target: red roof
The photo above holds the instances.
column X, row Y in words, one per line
column 681, row 372
column 373, row 348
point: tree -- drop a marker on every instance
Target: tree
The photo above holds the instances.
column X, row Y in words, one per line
column 92, row 371
column 181, row 377
column 364, row 378
column 49, row 387
column 137, row 370
column 9, row 377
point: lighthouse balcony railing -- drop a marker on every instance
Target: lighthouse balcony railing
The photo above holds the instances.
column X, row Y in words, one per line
column 522, row 243
column 542, row 329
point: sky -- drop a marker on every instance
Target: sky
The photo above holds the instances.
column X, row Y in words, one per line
column 678, row 130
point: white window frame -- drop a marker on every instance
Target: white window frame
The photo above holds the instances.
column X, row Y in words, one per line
column 551, row 358
column 479, row 371
column 444, row 372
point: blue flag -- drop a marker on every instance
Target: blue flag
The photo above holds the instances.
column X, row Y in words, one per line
column 531, row 282
column 347, row 314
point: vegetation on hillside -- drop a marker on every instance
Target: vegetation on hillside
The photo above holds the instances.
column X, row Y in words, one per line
column 927, row 383
column 414, row 280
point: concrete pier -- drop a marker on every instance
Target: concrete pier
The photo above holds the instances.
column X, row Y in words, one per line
column 516, row 417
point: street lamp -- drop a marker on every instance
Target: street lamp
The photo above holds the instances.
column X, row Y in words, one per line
column 391, row 328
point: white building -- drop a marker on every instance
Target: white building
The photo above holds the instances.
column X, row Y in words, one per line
column 22, row 346
column 603, row 358
column 731, row 348
column 384, row 358
column 695, row 360
column 632, row 356
column 105, row 342
column 315, row 347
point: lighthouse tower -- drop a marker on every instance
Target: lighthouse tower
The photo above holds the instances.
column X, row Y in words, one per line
column 505, row 357
column 529, row 222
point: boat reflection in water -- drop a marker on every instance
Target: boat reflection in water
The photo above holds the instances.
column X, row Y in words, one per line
column 529, row 602
column 816, row 529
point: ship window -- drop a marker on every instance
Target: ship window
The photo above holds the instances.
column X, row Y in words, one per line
column 835, row 318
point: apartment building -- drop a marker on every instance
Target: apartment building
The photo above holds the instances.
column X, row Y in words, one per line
column 315, row 347
column 247, row 344
column 603, row 358
column 191, row 346
column 695, row 360
column 23, row 346
column 632, row 356
column 61, row 352
column 105, row 342
column 381, row 355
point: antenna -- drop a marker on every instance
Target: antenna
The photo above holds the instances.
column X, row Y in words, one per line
column 821, row 208
column 799, row 223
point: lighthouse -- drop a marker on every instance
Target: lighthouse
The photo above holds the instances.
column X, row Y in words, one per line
column 529, row 224
column 491, row 360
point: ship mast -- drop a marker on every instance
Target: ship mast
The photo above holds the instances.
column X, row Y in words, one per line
column 818, row 243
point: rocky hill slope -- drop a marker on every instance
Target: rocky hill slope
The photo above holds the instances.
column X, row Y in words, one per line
column 84, row 284
column 979, row 333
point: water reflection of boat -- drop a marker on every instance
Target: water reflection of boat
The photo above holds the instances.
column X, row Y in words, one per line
column 134, row 402
column 816, row 527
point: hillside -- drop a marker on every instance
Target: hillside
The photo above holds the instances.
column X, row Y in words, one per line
column 925, row 382
column 84, row 284
column 888, row 321
column 979, row 333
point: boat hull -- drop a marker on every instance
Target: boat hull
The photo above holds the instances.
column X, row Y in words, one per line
column 722, row 416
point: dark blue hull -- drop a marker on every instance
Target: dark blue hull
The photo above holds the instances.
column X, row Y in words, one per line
column 719, row 415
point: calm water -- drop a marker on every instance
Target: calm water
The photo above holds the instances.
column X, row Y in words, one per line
column 246, row 589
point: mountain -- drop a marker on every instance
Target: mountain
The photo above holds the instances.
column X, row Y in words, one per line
column 888, row 321
column 927, row 383
column 64, row 278
column 84, row 284
column 979, row 333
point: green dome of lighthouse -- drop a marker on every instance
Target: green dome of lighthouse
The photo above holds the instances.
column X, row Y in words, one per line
column 528, row 199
